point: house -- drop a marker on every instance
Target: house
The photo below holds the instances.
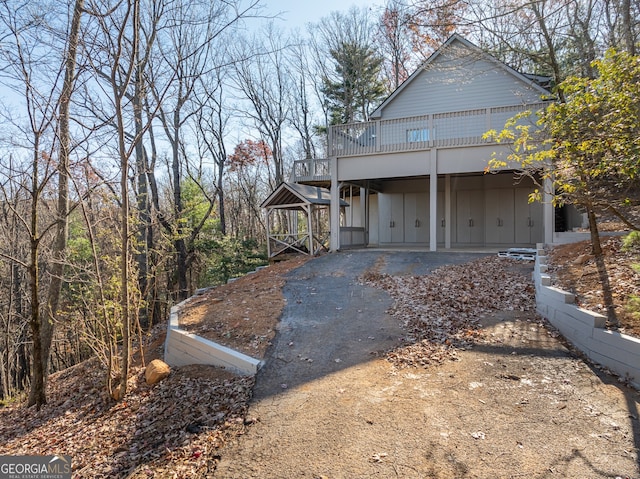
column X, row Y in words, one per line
column 415, row 173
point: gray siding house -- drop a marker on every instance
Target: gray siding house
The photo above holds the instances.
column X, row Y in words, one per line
column 415, row 174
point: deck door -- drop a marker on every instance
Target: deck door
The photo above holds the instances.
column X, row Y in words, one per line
column 391, row 218
column 528, row 218
column 470, row 216
column 416, row 217
column 499, row 216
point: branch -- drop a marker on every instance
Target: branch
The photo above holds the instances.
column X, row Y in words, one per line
column 623, row 218
column 11, row 258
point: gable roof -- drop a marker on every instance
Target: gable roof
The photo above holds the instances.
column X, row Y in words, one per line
column 294, row 195
column 475, row 50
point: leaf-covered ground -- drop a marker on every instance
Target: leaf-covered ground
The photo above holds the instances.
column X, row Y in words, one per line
column 573, row 268
column 172, row 429
column 169, row 430
column 443, row 312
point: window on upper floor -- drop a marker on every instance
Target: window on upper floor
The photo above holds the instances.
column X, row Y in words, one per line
column 417, row 134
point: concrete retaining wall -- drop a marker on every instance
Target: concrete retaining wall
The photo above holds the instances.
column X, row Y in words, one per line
column 182, row 348
column 585, row 329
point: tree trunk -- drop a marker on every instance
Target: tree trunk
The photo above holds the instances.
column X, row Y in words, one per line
column 179, row 242
column 22, row 369
column 118, row 92
column 124, row 273
column 627, row 27
column 62, row 228
column 142, row 201
column 221, row 205
column 37, row 394
column 596, row 249
column 555, row 66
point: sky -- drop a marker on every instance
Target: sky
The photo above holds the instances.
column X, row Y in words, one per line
column 297, row 13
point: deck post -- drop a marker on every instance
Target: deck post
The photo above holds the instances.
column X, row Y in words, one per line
column 334, row 209
column 447, row 212
column 433, row 200
column 310, row 210
column 547, row 211
column 268, row 225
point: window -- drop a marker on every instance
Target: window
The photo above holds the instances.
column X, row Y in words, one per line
column 417, row 134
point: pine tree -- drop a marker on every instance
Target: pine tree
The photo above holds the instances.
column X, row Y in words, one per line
column 356, row 85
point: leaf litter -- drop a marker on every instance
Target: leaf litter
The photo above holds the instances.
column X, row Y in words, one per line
column 442, row 312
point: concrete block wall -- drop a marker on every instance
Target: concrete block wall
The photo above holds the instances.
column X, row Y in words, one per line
column 182, row 348
column 585, row 329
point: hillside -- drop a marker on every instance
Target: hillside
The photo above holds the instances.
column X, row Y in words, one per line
column 173, row 428
column 178, row 426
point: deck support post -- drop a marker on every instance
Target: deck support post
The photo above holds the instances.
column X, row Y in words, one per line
column 447, row 212
column 433, row 200
column 334, row 210
column 547, row 211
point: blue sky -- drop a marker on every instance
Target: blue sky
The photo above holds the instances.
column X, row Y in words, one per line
column 297, row 13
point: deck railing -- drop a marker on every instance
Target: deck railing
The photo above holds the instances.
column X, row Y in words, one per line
column 312, row 169
column 452, row 129
column 439, row 130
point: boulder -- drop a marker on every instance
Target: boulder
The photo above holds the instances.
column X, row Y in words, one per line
column 156, row 371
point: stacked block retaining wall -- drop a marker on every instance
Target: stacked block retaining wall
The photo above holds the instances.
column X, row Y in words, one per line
column 182, row 348
column 585, row 329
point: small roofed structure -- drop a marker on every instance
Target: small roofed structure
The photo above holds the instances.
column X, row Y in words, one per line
column 297, row 218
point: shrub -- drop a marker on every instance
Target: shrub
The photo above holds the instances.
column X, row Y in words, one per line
column 631, row 242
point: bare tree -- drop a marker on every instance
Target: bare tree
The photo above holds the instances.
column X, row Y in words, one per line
column 13, row 281
column 212, row 123
column 246, row 184
column 628, row 26
column 117, row 42
column 35, row 74
column 150, row 25
column 262, row 76
column 394, row 34
column 187, row 55
column 63, row 166
column 303, row 112
column 557, row 38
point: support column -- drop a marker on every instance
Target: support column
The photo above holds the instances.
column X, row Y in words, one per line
column 363, row 207
column 310, row 210
column 547, row 212
column 367, row 213
column 334, row 209
column 447, row 212
column 433, row 200
column 351, row 208
column 268, row 226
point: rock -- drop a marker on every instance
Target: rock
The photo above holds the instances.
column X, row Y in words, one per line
column 156, row 371
column 582, row 259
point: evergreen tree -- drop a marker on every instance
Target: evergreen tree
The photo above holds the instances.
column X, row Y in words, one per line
column 356, row 85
